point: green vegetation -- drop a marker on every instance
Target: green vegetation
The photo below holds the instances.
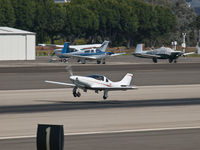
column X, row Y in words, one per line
column 123, row 22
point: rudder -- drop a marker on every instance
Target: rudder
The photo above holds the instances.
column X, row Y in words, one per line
column 66, row 48
column 127, row 79
column 139, row 48
column 104, row 46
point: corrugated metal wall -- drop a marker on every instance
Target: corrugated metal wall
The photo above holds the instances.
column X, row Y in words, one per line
column 17, row 47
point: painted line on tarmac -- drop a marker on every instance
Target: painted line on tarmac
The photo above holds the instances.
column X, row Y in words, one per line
column 107, row 132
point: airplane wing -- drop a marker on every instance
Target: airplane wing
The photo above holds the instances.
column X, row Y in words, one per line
column 79, row 56
column 61, row 83
column 53, row 45
column 78, row 47
column 123, row 88
column 186, row 54
column 146, row 55
column 117, row 54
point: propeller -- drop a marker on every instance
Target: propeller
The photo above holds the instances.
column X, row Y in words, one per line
column 69, row 69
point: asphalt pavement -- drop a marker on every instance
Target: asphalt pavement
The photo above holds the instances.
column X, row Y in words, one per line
column 187, row 139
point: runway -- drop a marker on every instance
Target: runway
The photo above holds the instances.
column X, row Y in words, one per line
column 147, row 107
column 19, row 78
column 165, row 140
column 168, row 97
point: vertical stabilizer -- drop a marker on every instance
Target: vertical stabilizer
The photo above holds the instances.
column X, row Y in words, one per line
column 66, row 48
column 104, row 46
column 127, row 79
column 139, row 48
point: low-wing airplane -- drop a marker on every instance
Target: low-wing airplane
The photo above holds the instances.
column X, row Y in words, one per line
column 160, row 53
column 97, row 83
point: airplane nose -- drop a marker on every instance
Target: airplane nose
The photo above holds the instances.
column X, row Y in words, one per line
column 72, row 78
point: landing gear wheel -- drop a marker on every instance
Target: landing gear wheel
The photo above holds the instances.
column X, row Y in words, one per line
column 175, row 61
column 170, row 60
column 64, row 60
column 104, row 97
column 78, row 94
column 98, row 61
column 155, row 60
column 103, row 61
column 74, row 94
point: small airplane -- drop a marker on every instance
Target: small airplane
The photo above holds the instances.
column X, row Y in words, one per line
column 69, row 51
column 97, row 54
column 160, row 53
column 73, row 48
column 97, row 83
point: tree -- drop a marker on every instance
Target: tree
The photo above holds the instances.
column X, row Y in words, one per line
column 7, row 16
column 25, row 14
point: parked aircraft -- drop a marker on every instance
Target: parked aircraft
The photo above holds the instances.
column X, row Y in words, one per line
column 97, row 54
column 81, row 51
column 160, row 53
column 73, row 48
column 97, row 83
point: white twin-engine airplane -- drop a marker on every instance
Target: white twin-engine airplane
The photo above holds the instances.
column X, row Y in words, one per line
column 97, row 83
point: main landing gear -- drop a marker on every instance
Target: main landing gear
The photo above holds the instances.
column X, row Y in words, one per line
column 171, row 60
column 105, row 95
column 75, row 93
column 101, row 61
column 154, row 59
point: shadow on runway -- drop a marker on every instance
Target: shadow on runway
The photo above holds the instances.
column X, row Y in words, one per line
column 75, row 105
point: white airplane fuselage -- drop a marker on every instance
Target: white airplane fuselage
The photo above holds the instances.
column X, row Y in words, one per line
column 89, row 83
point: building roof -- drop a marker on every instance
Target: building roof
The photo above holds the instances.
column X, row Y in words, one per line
column 13, row 31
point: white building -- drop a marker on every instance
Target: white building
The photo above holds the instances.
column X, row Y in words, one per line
column 16, row 44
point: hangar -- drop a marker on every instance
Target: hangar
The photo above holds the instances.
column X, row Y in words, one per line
column 16, row 44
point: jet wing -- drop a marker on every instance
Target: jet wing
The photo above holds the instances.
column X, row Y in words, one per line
column 61, row 83
column 123, row 88
column 146, row 55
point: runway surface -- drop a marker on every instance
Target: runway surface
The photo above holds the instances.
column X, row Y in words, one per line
column 147, row 107
column 18, row 78
column 165, row 140
column 168, row 96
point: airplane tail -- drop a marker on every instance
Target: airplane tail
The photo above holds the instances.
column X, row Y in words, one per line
column 104, row 46
column 66, row 48
column 139, row 48
column 126, row 81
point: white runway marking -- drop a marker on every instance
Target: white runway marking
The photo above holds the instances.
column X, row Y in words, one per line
column 108, row 132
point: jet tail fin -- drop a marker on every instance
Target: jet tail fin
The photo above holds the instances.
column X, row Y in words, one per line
column 126, row 81
column 104, row 46
column 139, row 48
column 66, row 48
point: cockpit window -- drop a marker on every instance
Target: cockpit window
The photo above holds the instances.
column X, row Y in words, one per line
column 97, row 77
column 88, row 51
column 106, row 80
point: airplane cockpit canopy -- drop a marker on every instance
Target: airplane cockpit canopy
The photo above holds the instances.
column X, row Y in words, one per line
column 97, row 77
